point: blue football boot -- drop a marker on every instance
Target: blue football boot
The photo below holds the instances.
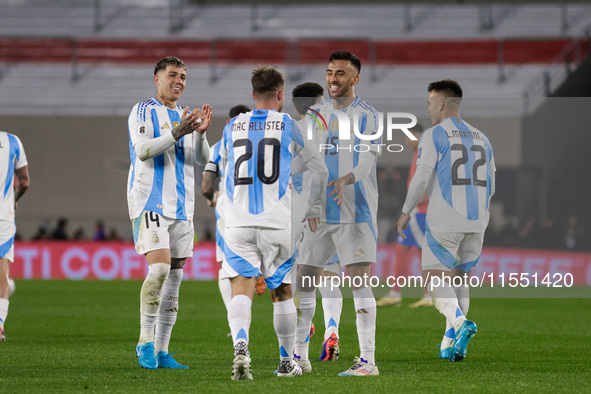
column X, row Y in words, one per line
column 145, row 355
column 165, row 360
column 463, row 336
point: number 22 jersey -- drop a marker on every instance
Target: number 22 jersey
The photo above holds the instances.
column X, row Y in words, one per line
column 463, row 180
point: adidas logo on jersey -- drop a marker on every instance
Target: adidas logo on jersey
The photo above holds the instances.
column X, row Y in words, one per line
column 166, row 126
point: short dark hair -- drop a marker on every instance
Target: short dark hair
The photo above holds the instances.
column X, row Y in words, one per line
column 237, row 110
column 169, row 61
column 449, row 87
column 267, row 79
column 306, row 95
column 342, row 55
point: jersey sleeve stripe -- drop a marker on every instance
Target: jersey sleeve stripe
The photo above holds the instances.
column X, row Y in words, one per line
column 180, row 171
column 362, row 212
column 291, row 129
column 13, row 149
column 154, row 203
column 443, row 166
column 295, row 132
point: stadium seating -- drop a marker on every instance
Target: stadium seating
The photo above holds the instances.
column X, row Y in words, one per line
column 58, row 49
column 139, row 18
column 109, row 89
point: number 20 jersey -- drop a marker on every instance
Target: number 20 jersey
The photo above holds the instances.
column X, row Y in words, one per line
column 164, row 184
column 258, row 146
column 463, row 178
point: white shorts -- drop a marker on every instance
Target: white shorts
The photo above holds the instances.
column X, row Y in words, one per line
column 152, row 231
column 251, row 251
column 353, row 242
column 7, row 232
column 444, row 251
column 297, row 228
column 333, row 265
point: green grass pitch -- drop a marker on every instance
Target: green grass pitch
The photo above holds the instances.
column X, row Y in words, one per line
column 79, row 336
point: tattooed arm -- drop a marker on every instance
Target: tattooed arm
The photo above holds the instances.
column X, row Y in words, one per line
column 153, row 147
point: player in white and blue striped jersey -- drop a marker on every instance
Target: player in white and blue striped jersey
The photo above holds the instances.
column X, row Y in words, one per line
column 259, row 147
column 349, row 214
column 456, row 166
column 160, row 194
column 216, row 169
column 304, row 96
column 13, row 162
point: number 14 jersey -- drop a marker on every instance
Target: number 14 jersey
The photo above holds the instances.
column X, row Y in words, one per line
column 164, row 184
column 463, row 176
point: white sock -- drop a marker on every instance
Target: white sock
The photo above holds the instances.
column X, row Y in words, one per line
column 169, row 307
column 394, row 294
column 225, row 290
column 449, row 335
column 150, row 297
column 285, row 318
column 444, row 299
column 3, row 311
column 307, row 310
column 239, row 317
column 365, row 312
column 332, row 304
column 463, row 295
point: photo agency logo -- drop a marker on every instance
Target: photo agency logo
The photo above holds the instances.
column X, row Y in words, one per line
column 336, row 127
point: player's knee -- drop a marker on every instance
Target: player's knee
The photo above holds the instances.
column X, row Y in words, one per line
column 359, row 269
column 176, row 264
column 159, row 271
column 282, row 293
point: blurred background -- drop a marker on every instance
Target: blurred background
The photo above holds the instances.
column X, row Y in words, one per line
column 70, row 72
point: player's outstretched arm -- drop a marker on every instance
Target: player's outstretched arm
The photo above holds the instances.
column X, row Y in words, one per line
column 207, row 185
column 426, row 163
column 402, row 223
column 22, row 175
column 417, row 187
